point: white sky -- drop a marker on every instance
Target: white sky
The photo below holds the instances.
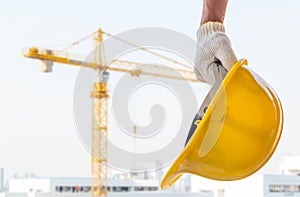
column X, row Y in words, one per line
column 37, row 131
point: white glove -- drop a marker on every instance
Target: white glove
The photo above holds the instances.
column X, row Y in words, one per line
column 212, row 45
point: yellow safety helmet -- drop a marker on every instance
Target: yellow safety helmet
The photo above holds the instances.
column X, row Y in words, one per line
column 238, row 133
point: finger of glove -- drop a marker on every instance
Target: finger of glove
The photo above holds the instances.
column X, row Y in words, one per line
column 204, row 73
column 204, row 62
column 224, row 52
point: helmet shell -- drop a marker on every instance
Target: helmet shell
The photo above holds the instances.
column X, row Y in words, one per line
column 238, row 133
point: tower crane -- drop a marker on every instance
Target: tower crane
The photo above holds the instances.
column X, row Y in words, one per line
column 100, row 94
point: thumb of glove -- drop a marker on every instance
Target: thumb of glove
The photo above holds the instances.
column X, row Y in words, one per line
column 225, row 54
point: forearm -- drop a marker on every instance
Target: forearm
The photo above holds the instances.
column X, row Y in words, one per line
column 214, row 10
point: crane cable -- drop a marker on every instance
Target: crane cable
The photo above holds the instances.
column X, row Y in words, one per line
column 147, row 50
column 131, row 44
column 78, row 41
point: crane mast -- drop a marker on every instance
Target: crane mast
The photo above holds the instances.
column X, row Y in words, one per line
column 99, row 97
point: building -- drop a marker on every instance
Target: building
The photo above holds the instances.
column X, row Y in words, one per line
column 286, row 183
column 259, row 185
column 81, row 187
column 1, row 179
column 2, row 189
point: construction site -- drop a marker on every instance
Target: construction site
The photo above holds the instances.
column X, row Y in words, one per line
column 97, row 106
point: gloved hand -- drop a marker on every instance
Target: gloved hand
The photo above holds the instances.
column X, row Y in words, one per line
column 212, row 45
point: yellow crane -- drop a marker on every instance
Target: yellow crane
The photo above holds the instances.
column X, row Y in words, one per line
column 100, row 95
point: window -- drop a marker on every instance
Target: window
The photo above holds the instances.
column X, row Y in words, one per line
column 284, row 188
column 72, row 189
column 120, row 189
column 141, row 188
column 87, row 189
column 66, row 188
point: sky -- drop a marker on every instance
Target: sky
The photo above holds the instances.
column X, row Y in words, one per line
column 37, row 129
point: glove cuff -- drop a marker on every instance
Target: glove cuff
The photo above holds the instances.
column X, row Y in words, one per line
column 209, row 28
